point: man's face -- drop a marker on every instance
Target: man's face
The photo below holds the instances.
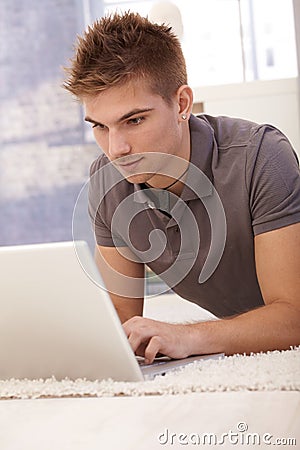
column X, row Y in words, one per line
column 134, row 127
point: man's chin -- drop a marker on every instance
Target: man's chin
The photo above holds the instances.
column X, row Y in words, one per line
column 137, row 178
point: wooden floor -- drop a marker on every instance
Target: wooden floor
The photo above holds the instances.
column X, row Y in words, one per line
column 128, row 423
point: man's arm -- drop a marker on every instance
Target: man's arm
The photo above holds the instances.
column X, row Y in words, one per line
column 123, row 278
column 273, row 326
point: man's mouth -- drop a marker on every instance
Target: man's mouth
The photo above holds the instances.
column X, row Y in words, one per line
column 127, row 163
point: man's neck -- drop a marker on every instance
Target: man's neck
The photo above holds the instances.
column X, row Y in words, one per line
column 175, row 184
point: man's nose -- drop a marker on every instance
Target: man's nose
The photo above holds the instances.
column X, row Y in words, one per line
column 118, row 145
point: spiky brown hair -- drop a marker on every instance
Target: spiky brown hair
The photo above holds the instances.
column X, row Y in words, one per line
column 122, row 47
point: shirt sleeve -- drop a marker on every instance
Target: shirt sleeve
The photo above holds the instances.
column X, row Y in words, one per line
column 274, row 181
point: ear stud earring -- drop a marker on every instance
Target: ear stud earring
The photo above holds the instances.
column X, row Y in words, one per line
column 184, row 116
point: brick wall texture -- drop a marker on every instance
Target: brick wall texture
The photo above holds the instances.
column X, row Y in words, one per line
column 43, row 158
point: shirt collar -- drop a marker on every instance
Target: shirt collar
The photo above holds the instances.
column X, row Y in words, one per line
column 199, row 179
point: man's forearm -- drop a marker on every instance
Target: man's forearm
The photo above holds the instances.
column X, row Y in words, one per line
column 274, row 326
column 127, row 308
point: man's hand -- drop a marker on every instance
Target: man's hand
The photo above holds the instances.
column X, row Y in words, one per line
column 149, row 337
column 276, row 325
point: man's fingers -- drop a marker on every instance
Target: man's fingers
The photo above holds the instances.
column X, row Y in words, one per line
column 152, row 349
column 135, row 340
column 138, row 331
column 135, row 323
column 149, row 337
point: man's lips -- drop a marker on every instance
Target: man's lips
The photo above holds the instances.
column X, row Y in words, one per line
column 128, row 163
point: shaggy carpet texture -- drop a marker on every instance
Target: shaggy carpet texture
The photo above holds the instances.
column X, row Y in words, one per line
column 272, row 371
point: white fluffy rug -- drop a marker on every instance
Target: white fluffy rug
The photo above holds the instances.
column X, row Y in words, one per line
column 259, row 372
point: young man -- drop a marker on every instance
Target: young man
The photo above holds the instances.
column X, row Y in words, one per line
column 211, row 204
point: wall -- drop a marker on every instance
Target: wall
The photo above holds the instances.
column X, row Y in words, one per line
column 36, row 41
column 274, row 102
column 43, row 162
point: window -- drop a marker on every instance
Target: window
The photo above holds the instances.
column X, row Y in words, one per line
column 269, row 39
column 224, row 41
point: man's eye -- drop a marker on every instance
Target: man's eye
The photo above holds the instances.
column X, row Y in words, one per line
column 98, row 125
column 136, row 120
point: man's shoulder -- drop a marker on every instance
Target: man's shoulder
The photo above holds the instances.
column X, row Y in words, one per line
column 98, row 163
column 106, row 178
column 232, row 131
column 228, row 121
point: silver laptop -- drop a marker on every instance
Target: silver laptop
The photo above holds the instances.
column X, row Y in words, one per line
column 56, row 321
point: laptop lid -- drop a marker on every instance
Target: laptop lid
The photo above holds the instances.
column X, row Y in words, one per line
column 55, row 321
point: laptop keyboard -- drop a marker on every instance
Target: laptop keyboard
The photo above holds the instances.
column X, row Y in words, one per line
column 157, row 361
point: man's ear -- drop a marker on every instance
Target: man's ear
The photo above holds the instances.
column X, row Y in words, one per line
column 185, row 101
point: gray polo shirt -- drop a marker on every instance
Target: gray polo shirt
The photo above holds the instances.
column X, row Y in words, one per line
column 250, row 169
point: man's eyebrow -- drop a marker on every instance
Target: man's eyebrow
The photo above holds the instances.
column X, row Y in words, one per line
column 124, row 117
column 134, row 112
column 88, row 119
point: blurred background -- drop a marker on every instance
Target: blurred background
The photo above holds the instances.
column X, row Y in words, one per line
column 242, row 58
